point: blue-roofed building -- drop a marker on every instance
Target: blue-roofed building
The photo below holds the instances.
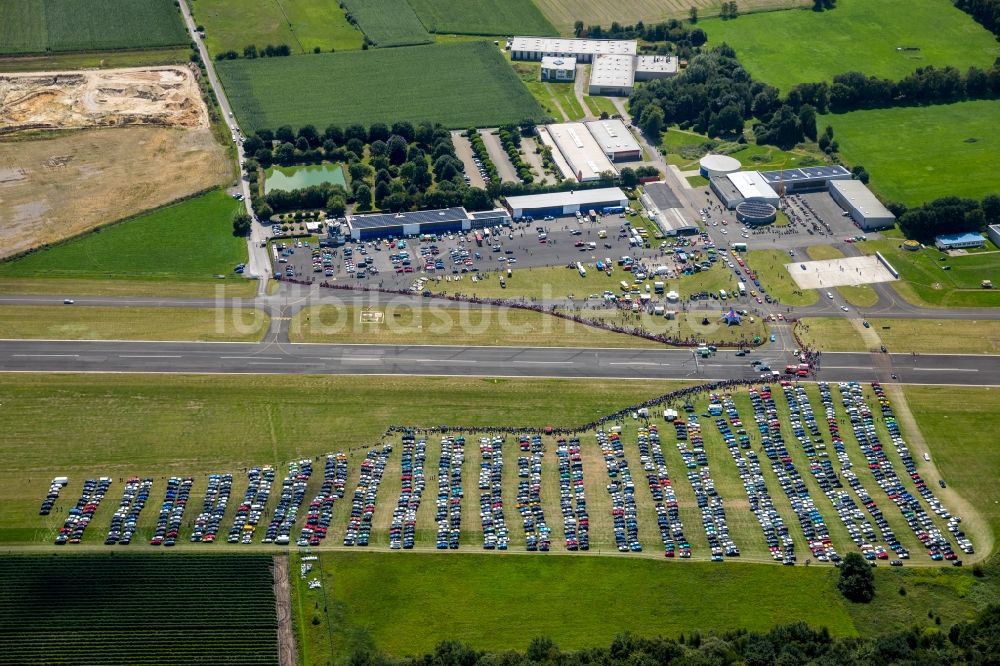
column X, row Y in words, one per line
column 413, row 223
column 958, row 241
column 806, row 179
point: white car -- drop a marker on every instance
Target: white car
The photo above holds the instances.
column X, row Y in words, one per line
column 845, row 308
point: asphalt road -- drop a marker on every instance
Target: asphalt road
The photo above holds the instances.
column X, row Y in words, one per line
column 284, row 358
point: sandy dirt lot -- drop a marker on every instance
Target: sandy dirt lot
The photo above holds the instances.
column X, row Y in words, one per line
column 847, row 272
column 164, row 96
column 58, row 187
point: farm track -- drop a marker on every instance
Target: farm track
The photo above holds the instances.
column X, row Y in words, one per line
column 287, row 654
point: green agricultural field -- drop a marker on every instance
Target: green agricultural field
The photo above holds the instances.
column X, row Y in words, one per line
column 919, row 154
column 139, row 610
column 36, row 26
column 855, row 37
column 388, row 22
column 775, row 280
column 482, row 17
column 301, row 24
column 456, row 84
column 924, row 336
column 924, row 281
column 95, row 60
column 188, row 241
column 57, row 322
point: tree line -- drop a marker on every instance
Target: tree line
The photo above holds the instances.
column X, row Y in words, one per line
column 664, row 37
column 984, row 12
column 973, row 642
column 948, row 215
column 251, row 52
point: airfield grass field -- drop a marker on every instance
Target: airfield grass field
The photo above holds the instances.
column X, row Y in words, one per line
column 58, row 322
column 95, row 60
column 37, row 26
column 924, row 336
column 774, row 278
column 62, row 288
column 891, row 42
column 924, row 282
column 301, row 24
column 685, row 148
column 458, row 84
column 388, row 22
column 188, row 241
column 918, row 154
column 482, row 17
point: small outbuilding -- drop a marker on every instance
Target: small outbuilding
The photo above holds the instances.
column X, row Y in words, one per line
column 959, row 241
column 558, row 69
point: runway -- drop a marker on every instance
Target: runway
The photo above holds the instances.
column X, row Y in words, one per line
column 559, row 362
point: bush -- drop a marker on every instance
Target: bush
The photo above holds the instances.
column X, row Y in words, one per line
column 857, row 582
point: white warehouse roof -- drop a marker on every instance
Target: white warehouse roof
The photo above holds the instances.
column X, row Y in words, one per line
column 752, row 185
column 613, row 136
column 861, row 198
column 613, row 71
column 582, row 152
column 657, row 64
column 581, row 198
column 571, row 46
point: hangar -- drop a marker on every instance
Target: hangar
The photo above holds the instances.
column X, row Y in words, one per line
column 397, row 225
column 567, row 203
column 584, row 156
column 807, row 179
column 993, row 231
column 666, row 210
column 735, row 188
column 615, row 139
column 864, row 207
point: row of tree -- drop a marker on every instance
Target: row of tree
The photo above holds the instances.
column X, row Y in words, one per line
column 673, row 33
column 974, row 642
column 948, row 215
column 251, row 51
column 985, row 12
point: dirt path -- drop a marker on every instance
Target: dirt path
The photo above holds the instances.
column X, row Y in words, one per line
column 287, row 655
column 581, row 80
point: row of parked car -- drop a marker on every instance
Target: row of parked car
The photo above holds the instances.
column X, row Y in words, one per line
column 58, row 483
column 125, row 519
column 250, row 512
column 293, row 492
column 621, row 488
column 496, row 536
column 359, row 527
column 213, row 508
column 776, row 533
column 572, row 496
column 863, row 424
column 537, row 534
column 668, row 518
column 450, row 493
column 403, row 526
column 320, row 512
column 168, row 523
column 80, row 515
column 691, row 445
column 892, row 425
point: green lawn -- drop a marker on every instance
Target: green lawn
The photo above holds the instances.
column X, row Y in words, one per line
column 918, row 154
column 170, row 289
column 58, row 322
column 598, row 105
column 685, row 148
column 388, row 22
column 482, row 17
column 924, row 336
column 301, row 24
column 460, row 84
column 774, row 278
column 855, row 36
column 925, row 282
column 36, row 26
column 188, row 241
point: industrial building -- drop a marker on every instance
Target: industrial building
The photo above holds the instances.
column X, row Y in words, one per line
column 755, row 213
column 993, row 231
column 734, row 188
column 807, row 179
column 567, row 203
column 711, row 166
column 584, row 156
column 959, row 241
column 615, row 140
column 558, row 69
column 648, row 68
column 666, row 210
column 865, row 209
column 584, row 50
column 397, row 225
column 612, row 75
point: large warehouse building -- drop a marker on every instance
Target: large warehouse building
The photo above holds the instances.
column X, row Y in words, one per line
column 612, row 75
column 807, row 179
column 735, row 188
column 584, row 50
column 567, row 203
column 667, row 210
column 615, row 139
column 865, row 209
column 397, row 225
column 585, row 157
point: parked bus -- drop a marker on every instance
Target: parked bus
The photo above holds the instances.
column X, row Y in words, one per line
column 479, row 239
column 742, row 288
column 740, row 247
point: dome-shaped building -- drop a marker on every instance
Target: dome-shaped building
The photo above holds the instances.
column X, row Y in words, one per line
column 718, row 165
column 755, row 213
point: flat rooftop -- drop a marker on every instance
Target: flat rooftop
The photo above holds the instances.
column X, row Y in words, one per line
column 861, row 198
column 752, row 185
column 559, row 62
column 805, row 173
column 382, row 220
column 613, row 71
column 576, row 197
column 726, row 187
column 581, row 150
column 613, row 136
column 591, row 46
column 657, row 64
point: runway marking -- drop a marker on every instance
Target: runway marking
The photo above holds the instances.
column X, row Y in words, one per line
column 45, row 355
column 636, row 363
column 277, row 363
column 544, row 362
column 361, row 359
column 146, row 356
column 252, row 358
column 946, row 369
column 436, row 360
